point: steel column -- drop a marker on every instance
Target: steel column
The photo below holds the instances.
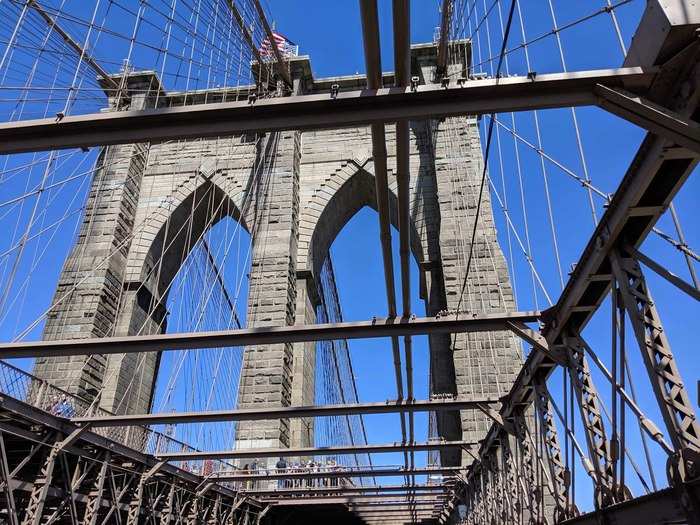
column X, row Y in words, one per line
column 664, row 374
column 528, row 464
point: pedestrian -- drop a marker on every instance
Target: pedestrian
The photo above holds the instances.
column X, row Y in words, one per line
column 318, row 480
column 329, row 469
column 65, row 409
column 333, row 469
column 309, row 470
column 281, row 467
column 246, row 470
column 296, row 469
column 254, row 472
column 55, row 406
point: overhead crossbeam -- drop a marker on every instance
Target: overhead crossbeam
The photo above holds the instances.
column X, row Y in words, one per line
column 266, row 335
column 320, row 111
column 355, row 473
column 364, row 490
column 335, row 497
column 316, row 451
column 256, row 414
column 357, row 504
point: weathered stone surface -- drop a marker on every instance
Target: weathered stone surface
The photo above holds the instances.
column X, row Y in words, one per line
column 293, row 192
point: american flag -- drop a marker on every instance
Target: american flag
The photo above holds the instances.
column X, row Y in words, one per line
column 285, row 46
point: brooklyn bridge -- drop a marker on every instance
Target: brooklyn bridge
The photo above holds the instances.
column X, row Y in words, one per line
column 275, row 262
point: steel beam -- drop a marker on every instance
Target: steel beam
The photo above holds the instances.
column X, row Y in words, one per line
column 651, row 117
column 370, row 40
column 320, row 111
column 316, row 451
column 265, row 335
column 302, row 491
column 394, row 515
column 657, row 508
column 355, row 504
column 282, row 412
column 357, row 473
column 663, row 272
column 362, row 498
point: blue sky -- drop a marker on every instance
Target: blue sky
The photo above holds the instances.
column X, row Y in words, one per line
column 330, row 33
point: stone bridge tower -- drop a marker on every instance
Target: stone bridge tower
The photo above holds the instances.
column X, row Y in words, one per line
column 293, row 192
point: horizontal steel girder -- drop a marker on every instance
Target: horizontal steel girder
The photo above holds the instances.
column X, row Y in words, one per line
column 316, row 451
column 252, row 414
column 357, row 473
column 661, row 507
column 359, row 504
column 306, row 491
column 362, row 498
column 268, row 335
column 353, row 108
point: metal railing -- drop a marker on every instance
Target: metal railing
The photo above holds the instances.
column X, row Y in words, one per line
column 41, row 394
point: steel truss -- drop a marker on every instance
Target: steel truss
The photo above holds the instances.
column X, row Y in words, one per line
column 77, row 476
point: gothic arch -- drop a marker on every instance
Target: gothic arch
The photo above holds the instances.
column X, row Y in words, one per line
column 328, row 210
column 169, row 237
